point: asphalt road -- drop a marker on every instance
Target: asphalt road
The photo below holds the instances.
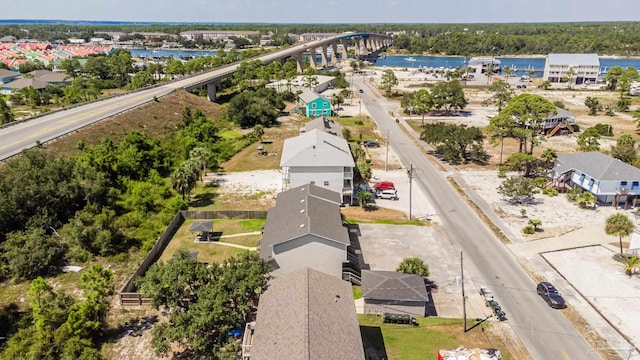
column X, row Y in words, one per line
column 15, row 138
column 546, row 333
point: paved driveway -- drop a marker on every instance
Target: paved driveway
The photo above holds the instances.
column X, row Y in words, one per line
column 384, row 247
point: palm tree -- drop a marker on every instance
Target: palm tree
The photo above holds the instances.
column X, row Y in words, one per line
column 363, row 198
column 507, row 72
column 619, row 224
column 586, row 200
column 413, row 265
column 201, row 154
column 548, row 157
column 630, row 263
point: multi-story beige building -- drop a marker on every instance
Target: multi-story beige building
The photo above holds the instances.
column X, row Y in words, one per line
column 572, row 69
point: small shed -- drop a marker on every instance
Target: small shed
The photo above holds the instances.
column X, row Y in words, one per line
column 394, row 292
column 202, row 230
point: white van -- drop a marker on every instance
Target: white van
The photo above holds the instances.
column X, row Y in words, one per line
column 390, row 194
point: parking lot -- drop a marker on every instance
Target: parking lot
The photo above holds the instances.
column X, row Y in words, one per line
column 384, row 247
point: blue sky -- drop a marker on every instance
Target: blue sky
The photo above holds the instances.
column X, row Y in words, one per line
column 325, row 11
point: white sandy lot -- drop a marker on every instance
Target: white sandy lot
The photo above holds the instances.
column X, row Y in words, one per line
column 602, row 282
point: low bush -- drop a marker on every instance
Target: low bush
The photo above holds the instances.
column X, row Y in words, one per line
column 528, row 230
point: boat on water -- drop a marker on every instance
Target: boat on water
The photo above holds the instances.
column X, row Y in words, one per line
column 410, row 58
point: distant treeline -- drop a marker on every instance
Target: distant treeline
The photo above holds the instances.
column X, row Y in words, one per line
column 619, row 38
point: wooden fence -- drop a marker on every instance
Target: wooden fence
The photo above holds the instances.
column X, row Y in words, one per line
column 128, row 294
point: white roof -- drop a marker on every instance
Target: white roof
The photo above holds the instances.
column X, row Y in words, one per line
column 316, row 148
column 573, row 59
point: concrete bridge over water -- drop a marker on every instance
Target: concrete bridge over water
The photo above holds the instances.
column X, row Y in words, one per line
column 363, row 43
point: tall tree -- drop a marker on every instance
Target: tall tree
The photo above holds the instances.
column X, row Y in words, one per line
column 619, row 225
column 6, row 115
column 625, row 149
column 502, row 93
column 448, row 96
column 205, row 302
column 388, row 81
column 588, row 140
column 529, row 112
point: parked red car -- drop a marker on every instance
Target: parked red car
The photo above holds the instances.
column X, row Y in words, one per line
column 384, row 185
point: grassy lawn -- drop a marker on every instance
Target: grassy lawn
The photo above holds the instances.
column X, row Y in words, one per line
column 357, row 292
column 248, row 159
column 422, row 342
column 380, row 215
column 213, row 252
column 361, row 128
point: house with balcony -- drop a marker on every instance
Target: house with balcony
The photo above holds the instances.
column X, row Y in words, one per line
column 610, row 180
column 305, row 315
column 318, row 158
column 571, row 69
column 312, row 104
column 304, row 229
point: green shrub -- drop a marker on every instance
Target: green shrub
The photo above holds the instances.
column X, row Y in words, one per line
column 550, row 192
column 574, row 194
column 528, row 230
column 539, row 182
column 604, row 129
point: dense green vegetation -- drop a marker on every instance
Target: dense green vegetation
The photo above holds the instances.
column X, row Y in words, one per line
column 108, row 201
column 620, row 38
column 205, row 302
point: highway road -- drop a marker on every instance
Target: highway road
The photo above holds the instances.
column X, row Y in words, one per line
column 546, row 333
column 25, row 135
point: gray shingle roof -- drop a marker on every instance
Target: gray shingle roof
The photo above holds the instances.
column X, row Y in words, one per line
column 394, row 286
column 316, row 148
column 573, row 59
column 562, row 113
column 308, row 96
column 201, row 226
column 307, row 315
column 597, row 165
column 50, row 76
column 301, row 211
column 8, row 73
column 23, row 83
column 324, row 124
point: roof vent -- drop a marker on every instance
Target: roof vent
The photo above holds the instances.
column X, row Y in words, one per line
column 302, row 201
column 301, row 226
column 302, row 210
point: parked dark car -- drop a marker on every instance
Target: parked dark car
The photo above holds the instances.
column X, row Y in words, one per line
column 360, row 91
column 371, row 143
column 551, row 295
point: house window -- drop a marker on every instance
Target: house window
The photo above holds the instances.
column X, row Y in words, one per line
column 581, row 178
column 326, row 183
column 312, row 182
column 591, row 182
column 324, row 112
column 313, row 105
column 634, row 185
column 623, row 184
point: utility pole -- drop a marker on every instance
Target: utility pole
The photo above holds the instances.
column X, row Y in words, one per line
column 386, row 159
column 464, row 299
column 410, row 173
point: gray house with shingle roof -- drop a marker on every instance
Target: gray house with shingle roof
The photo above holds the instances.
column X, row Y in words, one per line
column 304, row 229
column 394, row 292
column 325, row 124
column 605, row 177
column 318, row 158
column 306, row 315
